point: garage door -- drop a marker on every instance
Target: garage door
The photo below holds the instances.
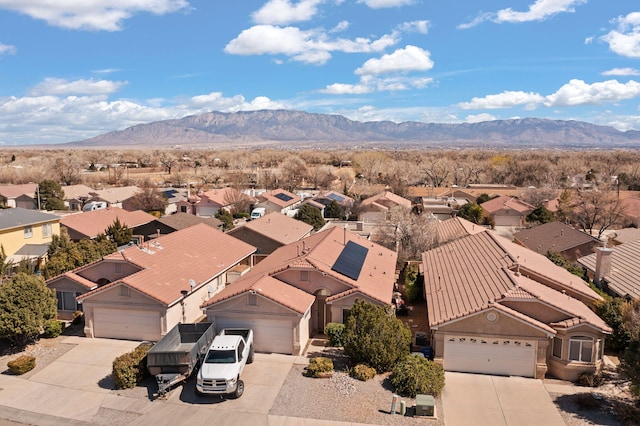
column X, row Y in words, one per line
column 207, row 211
column 489, row 356
column 268, row 335
column 125, row 324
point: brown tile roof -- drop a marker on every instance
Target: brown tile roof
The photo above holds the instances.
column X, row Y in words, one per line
column 552, row 236
column 626, row 235
column 456, row 227
column 470, row 273
column 91, row 224
column 624, row 276
column 116, row 194
column 77, row 191
column 320, row 252
column 272, row 197
column 507, row 202
column 75, row 278
column 197, row 253
column 184, row 220
column 278, row 227
column 13, row 191
column 386, row 200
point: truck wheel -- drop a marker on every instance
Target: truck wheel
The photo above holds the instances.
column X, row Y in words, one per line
column 239, row 389
column 250, row 358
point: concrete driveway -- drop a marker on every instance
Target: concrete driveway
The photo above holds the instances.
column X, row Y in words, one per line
column 475, row 399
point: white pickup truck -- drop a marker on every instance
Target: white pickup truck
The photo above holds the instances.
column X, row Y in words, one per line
column 222, row 367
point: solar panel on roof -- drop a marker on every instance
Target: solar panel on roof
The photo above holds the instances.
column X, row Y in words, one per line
column 284, row 197
column 351, row 259
column 336, row 197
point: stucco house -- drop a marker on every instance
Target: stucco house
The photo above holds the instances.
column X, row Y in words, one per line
column 495, row 307
column 507, row 211
column 75, row 196
column 23, row 195
column 376, row 208
column 557, row 237
column 616, row 269
column 93, row 223
column 119, row 196
column 141, row 292
column 271, row 231
column 207, row 204
column 278, row 200
column 26, row 234
column 293, row 293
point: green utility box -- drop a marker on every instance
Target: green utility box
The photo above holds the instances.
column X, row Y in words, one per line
column 425, row 405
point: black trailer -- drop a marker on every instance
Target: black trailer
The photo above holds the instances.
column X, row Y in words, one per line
column 178, row 353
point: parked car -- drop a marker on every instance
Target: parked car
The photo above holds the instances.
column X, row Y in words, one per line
column 224, row 362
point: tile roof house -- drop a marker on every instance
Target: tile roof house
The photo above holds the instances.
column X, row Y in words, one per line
column 495, row 307
column 207, row 204
column 376, row 208
column 507, row 211
column 26, row 234
column 141, row 292
column 622, row 236
column 271, row 231
column 278, row 200
column 456, row 227
column 345, row 202
column 557, row 237
column 23, row 196
column 93, row 223
column 616, row 269
column 180, row 221
column 173, row 196
column 299, row 288
column 631, row 211
column 116, row 196
column 75, row 196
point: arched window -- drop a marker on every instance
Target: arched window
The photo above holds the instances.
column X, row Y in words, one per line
column 581, row 349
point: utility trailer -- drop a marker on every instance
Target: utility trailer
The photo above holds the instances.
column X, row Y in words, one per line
column 178, row 353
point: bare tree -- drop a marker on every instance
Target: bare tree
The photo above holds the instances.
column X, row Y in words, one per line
column 167, row 160
column 538, row 197
column 292, row 172
column 437, row 172
column 408, row 233
column 66, row 168
column 597, row 211
column 371, row 164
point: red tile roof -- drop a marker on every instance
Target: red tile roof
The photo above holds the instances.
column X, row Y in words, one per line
column 507, row 202
column 456, row 227
column 14, row 191
column 278, row 227
column 224, row 196
column 386, row 200
column 271, row 196
column 197, row 253
column 91, row 224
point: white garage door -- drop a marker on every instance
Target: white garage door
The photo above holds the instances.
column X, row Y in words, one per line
column 268, row 335
column 207, row 211
column 125, row 324
column 490, row 356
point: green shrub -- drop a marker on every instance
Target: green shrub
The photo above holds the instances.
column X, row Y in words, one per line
column 22, row 364
column 130, row 369
column 318, row 366
column 363, row 372
column 78, row 318
column 417, row 375
column 590, row 380
column 335, row 331
column 412, row 283
column 53, row 328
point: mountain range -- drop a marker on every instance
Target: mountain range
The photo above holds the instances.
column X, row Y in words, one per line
column 302, row 130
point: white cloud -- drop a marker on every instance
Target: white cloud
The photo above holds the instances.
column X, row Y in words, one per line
column 625, row 40
column 342, row 26
column 577, row 92
column 100, row 15
column 283, row 12
column 7, row 49
column 59, row 86
column 410, row 58
column 371, row 84
column 381, row 4
column 106, row 71
column 479, row 118
column 421, row 27
column 538, row 11
column 310, row 46
column 621, row 71
column 507, row 99
column 346, row 89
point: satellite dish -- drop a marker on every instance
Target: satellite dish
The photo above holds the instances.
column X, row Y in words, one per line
column 192, row 283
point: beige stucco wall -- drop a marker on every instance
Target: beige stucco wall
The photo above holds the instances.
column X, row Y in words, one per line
column 372, row 216
column 570, row 370
column 107, row 269
column 337, row 307
column 65, row 284
column 537, row 310
column 317, row 281
column 264, row 244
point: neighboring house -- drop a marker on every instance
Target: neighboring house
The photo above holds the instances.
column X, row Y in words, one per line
column 616, row 269
column 313, row 203
column 143, row 291
column 376, row 208
column 116, row 197
column 207, row 204
column 623, row 236
column 631, row 211
column 293, row 293
column 174, row 196
column 91, row 224
column 495, row 307
column 24, row 196
column 26, row 234
column 507, row 211
column 326, row 198
column 180, row 221
column 75, row 196
column 557, row 237
column 454, row 228
column 271, row 231
column 278, row 200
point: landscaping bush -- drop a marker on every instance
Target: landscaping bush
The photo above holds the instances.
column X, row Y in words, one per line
column 78, row 318
column 586, row 401
column 417, row 375
column 319, row 366
column 22, row 364
column 590, row 380
column 130, row 369
column 335, row 331
column 363, row 372
column 53, row 328
column 412, row 283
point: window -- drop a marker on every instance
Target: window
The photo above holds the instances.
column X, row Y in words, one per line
column 46, row 230
column 183, row 209
column 28, row 231
column 304, row 275
column 581, row 349
column 125, row 291
column 345, row 315
column 67, row 301
column 557, row 347
column 253, row 299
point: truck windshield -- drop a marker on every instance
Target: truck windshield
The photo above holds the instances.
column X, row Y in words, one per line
column 221, row 357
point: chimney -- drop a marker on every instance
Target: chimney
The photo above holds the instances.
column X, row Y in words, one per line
column 603, row 263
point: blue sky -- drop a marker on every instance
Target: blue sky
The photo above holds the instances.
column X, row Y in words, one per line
column 73, row 69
